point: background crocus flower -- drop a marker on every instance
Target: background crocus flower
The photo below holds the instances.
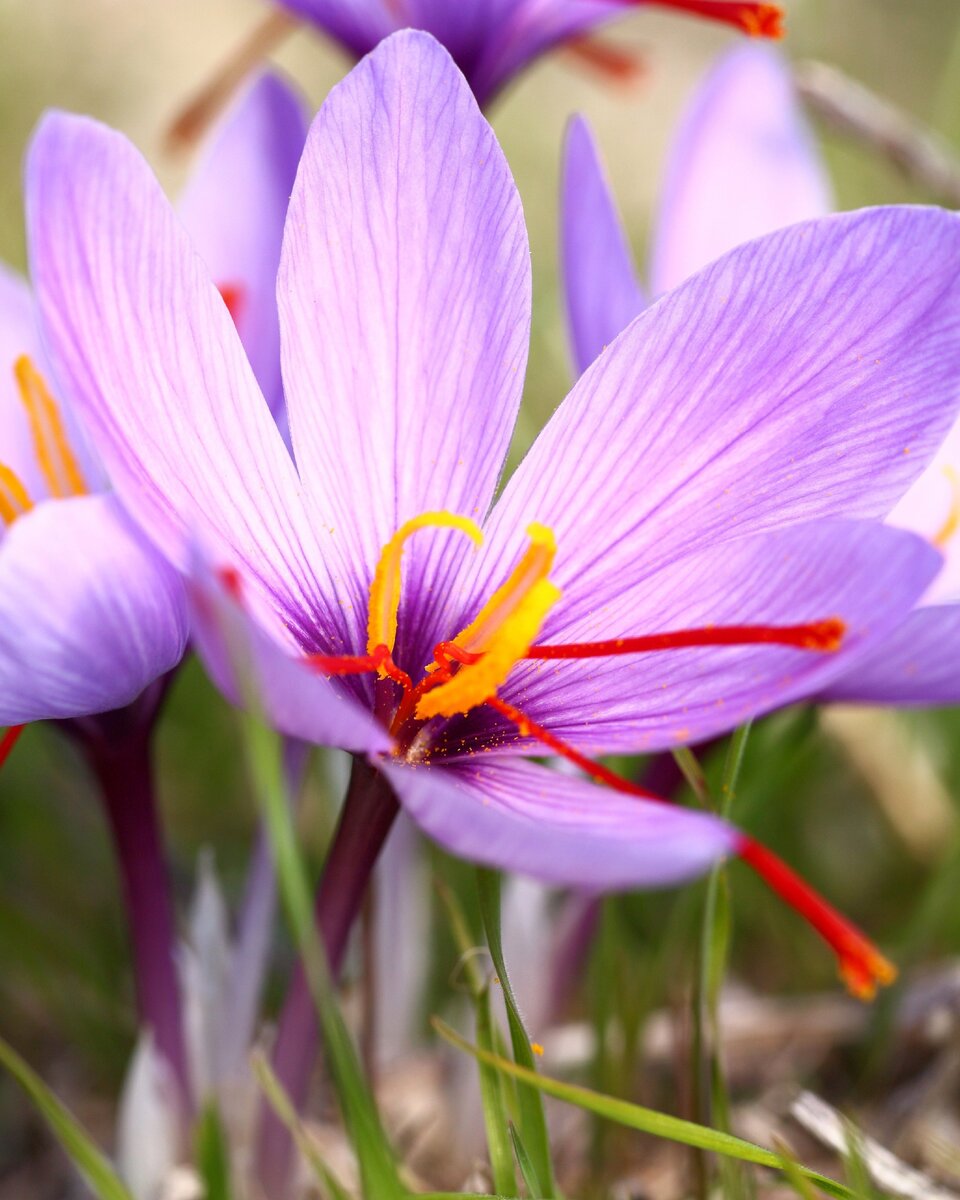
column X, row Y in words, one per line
column 93, row 617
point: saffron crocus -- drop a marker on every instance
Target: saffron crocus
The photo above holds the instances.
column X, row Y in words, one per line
column 93, row 616
column 698, row 489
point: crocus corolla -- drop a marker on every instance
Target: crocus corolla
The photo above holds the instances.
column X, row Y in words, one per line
column 703, row 473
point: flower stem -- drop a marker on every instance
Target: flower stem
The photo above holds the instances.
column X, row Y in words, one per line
column 122, row 767
column 368, row 815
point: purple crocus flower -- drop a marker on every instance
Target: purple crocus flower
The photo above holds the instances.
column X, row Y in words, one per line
column 703, row 473
column 92, row 616
column 493, row 40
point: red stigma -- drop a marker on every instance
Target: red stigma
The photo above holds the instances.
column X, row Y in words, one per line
column 862, row 966
column 756, row 20
column 234, row 296
column 233, row 584
column 8, row 741
column 618, row 66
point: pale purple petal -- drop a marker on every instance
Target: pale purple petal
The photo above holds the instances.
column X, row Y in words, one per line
column 405, row 306
column 234, row 207
column 600, row 287
column 152, row 359
column 863, row 572
column 807, row 374
column 917, row 665
column 253, row 664
column 89, row 613
column 557, row 827
column 743, row 164
column 18, row 335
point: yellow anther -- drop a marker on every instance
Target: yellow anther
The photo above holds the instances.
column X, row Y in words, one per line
column 51, row 445
column 14, row 501
column 385, row 589
column 950, row 525
column 533, row 566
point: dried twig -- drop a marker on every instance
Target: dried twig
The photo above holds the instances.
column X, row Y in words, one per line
column 860, row 114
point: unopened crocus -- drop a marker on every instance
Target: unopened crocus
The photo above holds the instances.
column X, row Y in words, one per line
column 93, row 616
column 697, row 492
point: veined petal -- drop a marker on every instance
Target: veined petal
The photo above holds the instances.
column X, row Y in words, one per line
column 600, row 287
column 89, row 612
column 250, row 662
column 742, row 164
column 149, row 351
column 234, row 207
column 557, row 827
column 866, row 574
column 918, row 664
column 405, row 307
column 810, row 373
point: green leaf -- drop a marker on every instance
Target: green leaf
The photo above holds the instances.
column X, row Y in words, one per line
column 494, row 1107
column 377, row 1166
column 213, row 1155
column 282, row 1105
column 527, row 1169
column 645, row 1120
column 533, row 1124
column 87, row 1157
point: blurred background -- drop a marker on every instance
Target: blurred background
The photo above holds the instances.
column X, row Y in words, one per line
column 864, row 804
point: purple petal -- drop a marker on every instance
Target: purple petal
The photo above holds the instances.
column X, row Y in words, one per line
column 89, row 613
column 234, row 207
column 917, row 665
column 600, row 285
column 18, row 335
column 863, row 572
column 557, row 827
column 357, row 24
column 743, row 164
column 807, row 374
column 405, row 308
column 153, row 361
column 246, row 659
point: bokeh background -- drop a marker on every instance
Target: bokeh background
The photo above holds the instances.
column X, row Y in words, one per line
column 865, row 804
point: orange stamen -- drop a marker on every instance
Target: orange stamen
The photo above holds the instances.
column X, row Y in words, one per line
column 817, row 635
column 8, row 741
column 952, row 522
column 757, row 20
column 234, row 297
column 51, row 446
column 14, row 500
column 862, row 966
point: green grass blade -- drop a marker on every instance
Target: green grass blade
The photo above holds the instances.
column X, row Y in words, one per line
column 377, row 1166
column 527, row 1169
column 533, row 1123
column 213, row 1155
column 495, row 1115
column 281, row 1104
column 644, row 1120
column 87, row 1157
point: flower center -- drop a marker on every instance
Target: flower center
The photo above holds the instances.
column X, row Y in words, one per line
column 51, row 446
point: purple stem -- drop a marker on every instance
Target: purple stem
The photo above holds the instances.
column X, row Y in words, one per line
column 368, row 815
column 121, row 761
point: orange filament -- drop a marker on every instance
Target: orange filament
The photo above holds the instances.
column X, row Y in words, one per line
column 757, row 20
column 823, row 636
column 51, row 446
column 501, row 634
column 950, row 525
column 234, row 296
column 862, row 966
column 385, row 589
column 14, row 501
column 8, row 741
column 617, row 65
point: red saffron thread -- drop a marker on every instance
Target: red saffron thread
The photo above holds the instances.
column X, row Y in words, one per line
column 8, row 741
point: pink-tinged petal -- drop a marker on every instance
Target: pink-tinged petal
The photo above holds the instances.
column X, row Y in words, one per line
column 868, row 575
column 557, row 827
column 932, row 508
column 405, row 307
column 245, row 658
column 90, row 614
column 234, row 207
column 810, row 373
column 743, row 164
column 917, row 665
column 600, row 286
column 149, row 351
column 18, row 335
